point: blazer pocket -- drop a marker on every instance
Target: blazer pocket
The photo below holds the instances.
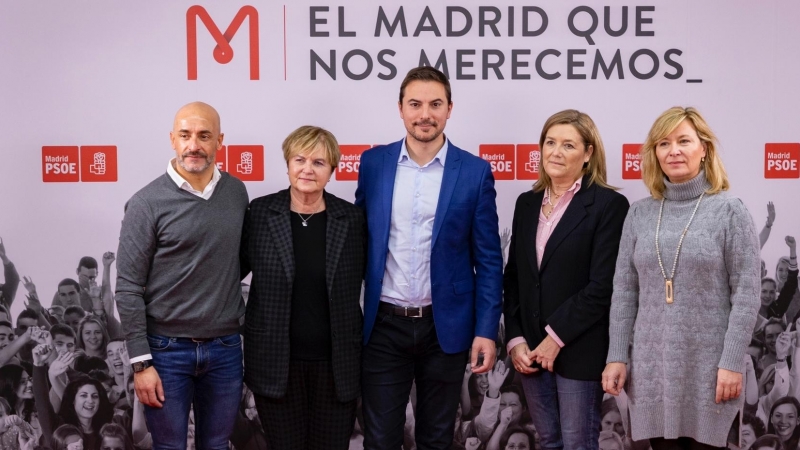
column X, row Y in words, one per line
column 463, row 287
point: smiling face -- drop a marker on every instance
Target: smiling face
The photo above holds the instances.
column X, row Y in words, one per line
column 771, row 333
column 784, row 420
column 87, row 401
column 309, row 173
column 25, row 386
column 424, row 111
column 564, row 153
column 748, row 436
column 196, row 138
column 92, row 336
column 768, row 292
column 680, row 154
column 114, row 359
column 63, row 344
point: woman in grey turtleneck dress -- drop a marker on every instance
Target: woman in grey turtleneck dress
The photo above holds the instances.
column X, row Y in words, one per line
column 686, row 292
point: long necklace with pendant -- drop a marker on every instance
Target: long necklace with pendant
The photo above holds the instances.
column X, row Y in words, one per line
column 668, row 281
column 305, row 220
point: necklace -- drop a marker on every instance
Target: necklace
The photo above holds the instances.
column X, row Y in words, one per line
column 668, row 281
column 550, row 194
column 305, row 220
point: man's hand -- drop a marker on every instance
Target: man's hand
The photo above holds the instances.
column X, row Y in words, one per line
column 521, row 358
column 496, row 378
column 482, row 345
column 770, row 213
column 791, row 242
column 472, row 443
column 40, row 354
column 41, row 336
column 729, row 385
column 27, row 282
column 614, row 377
column 148, row 387
column 545, row 353
column 782, row 345
column 61, row 363
column 108, row 258
column 94, row 290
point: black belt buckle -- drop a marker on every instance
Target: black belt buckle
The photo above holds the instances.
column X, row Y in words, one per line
column 413, row 311
column 201, row 340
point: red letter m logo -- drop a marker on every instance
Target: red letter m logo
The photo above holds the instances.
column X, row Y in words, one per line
column 223, row 52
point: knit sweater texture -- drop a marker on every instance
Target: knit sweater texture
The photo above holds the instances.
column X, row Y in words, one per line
column 178, row 262
column 679, row 347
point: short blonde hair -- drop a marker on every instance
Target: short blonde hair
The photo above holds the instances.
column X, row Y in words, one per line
column 596, row 167
column 305, row 139
column 653, row 176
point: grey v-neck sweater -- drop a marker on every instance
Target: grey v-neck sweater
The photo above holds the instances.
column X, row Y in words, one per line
column 678, row 347
column 178, row 262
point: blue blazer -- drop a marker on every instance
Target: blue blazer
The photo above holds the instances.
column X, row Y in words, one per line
column 466, row 259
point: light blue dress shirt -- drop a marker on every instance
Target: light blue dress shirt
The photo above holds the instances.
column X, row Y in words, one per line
column 407, row 277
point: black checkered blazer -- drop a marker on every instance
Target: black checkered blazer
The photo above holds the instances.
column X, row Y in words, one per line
column 267, row 251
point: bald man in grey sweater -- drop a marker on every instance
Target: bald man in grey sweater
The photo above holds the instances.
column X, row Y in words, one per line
column 178, row 291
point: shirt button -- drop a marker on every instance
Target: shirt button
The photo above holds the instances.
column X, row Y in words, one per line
column 548, row 224
column 417, row 195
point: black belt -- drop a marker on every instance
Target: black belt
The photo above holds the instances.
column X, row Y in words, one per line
column 197, row 340
column 405, row 311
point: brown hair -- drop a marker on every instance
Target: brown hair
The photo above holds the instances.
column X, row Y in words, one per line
column 426, row 73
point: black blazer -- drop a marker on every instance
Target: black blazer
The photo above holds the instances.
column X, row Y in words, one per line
column 267, row 251
column 571, row 291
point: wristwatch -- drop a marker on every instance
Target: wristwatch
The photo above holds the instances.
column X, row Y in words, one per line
column 141, row 365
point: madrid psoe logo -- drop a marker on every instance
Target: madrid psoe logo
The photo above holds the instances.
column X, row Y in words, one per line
column 71, row 164
column 512, row 161
column 631, row 162
column 245, row 162
column 782, row 160
column 347, row 170
column 223, row 52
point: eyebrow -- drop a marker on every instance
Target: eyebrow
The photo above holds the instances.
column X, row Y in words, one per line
column 420, row 101
column 181, row 131
column 553, row 139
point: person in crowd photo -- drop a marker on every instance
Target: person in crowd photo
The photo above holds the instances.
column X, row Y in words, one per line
column 558, row 281
column 306, row 250
column 433, row 285
column 8, row 289
column 67, row 437
column 93, row 337
column 784, row 418
column 752, row 429
column 178, row 268
column 114, row 437
column 688, row 333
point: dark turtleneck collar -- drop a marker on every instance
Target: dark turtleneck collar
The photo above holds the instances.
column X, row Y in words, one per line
column 688, row 190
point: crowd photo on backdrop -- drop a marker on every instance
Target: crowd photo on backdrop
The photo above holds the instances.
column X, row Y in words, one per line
column 403, row 317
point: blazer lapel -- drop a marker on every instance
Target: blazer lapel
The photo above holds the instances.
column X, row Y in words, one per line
column 386, row 185
column 573, row 216
column 281, row 228
column 529, row 228
column 451, row 170
column 336, row 235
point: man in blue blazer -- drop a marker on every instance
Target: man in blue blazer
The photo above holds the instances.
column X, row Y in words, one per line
column 433, row 287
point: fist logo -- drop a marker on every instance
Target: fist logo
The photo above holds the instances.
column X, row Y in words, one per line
column 99, row 165
column 246, row 166
column 534, row 158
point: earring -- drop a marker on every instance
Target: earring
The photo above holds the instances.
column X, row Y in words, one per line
column 703, row 159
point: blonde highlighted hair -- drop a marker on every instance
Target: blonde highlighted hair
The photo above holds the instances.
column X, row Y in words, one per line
column 652, row 174
column 584, row 125
column 305, row 139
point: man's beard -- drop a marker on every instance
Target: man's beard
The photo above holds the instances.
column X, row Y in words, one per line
column 191, row 169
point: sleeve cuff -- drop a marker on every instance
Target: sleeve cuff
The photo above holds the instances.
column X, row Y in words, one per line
column 554, row 336
column 141, row 358
column 515, row 342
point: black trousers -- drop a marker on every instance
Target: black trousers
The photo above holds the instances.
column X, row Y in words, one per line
column 682, row 443
column 309, row 416
column 401, row 351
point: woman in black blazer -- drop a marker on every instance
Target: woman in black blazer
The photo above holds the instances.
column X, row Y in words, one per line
column 558, row 282
column 302, row 346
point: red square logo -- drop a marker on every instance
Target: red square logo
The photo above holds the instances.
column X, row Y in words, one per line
column 99, row 163
column 501, row 159
column 349, row 162
column 529, row 160
column 60, row 164
column 221, row 160
column 782, row 160
column 631, row 162
column 246, row 162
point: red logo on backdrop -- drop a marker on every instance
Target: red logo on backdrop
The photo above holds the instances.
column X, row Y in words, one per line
column 529, row 159
column 60, row 164
column 782, row 160
column 631, row 162
column 99, row 163
column 245, row 162
column 501, row 159
column 221, row 160
column 223, row 52
column 349, row 162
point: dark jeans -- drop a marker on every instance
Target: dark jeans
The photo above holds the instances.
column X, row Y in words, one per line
column 565, row 412
column 400, row 351
column 682, row 443
column 208, row 374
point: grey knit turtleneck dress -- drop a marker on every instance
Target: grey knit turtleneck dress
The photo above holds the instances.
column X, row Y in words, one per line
column 678, row 347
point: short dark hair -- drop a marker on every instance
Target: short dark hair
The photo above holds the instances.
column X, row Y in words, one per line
column 88, row 262
column 426, row 73
column 70, row 282
column 27, row 314
column 758, row 426
column 75, row 309
column 86, row 364
column 5, row 323
column 514, row 389
column 62, row 329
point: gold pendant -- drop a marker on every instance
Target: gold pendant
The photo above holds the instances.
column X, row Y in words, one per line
column 668, row 288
